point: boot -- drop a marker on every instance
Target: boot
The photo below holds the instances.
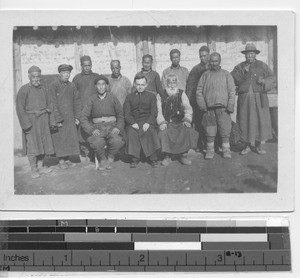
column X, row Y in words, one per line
column 226, row 150
column 102, row 165
column 35, row 173
column 43, row 169
column 184, row 159
column 110, row 160
column 210, row 151
column 166, row 161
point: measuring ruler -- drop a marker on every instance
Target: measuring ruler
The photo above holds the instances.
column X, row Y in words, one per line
column 145, row 245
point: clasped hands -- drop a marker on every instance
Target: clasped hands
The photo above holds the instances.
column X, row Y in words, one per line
column 97, row 132
column 163, row 126
column 145, row 126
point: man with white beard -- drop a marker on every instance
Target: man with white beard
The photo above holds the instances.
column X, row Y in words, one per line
column 174, row 119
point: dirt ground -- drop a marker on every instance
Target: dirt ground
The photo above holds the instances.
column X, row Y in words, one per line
column 252, row 173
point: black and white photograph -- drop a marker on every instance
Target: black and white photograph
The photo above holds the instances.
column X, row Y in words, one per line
column 156, row 107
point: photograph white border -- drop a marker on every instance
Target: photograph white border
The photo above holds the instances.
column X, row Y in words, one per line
column 283, row 200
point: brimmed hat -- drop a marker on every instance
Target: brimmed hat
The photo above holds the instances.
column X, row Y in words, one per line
column 65, row 68
column 250, row 47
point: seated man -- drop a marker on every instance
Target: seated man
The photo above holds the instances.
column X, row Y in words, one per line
column 174, row 119
column 107, row 123
column 140, row 115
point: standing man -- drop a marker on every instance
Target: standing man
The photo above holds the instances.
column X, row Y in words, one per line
column 85, row 84
column 253, row 79
column 33, row 106
column 67, row 108
column 140, row 111
column 102, row 119
column 119, row 84
column 174, row 120
column 191, row 88
column 175, row 68
column 215, row 96
column 153, row 80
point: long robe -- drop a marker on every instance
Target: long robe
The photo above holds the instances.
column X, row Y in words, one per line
column 253, row 114
column 85, row 84
column 174, row 110
column 191, row 88
column 37, row 140
column 141, row 108
column 67, row 108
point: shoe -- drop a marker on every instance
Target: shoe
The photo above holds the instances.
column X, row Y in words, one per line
column 154, row 164
column 185, row 161
column 166, row 161
column 109, row 161
column 209, row 154
column 102, row 165
column 258, row 150
column 245, row 150
column 63, row 165
column 35, row 174
column 70, row 164
column 45, row 170
column 226, row 154
column 134, row 164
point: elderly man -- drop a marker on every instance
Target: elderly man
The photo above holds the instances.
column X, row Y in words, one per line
column 215, row 96
column 191, row 87
column 107, row 123
column 67, row 109
column 253, row 79
column 119, row 84
column 33, row 106
column 174, row 120
column 84, row 83
column 153, row 80
column 140, row 111
column 181, row 72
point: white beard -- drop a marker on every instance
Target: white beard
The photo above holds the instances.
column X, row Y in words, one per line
column 171, row 92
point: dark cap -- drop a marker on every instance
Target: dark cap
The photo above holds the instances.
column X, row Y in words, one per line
column 85, row 58
column 65, row 67
column 204, row 48
column 34, row 69
column 101, row 77
column 147, row 56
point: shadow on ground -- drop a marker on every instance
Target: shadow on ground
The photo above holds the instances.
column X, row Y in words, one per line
column 241, row 174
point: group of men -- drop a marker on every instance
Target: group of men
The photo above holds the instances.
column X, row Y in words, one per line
column 175, row 113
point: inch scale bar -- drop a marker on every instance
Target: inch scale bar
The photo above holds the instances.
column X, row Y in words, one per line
column 133, row 245
column 188, row 260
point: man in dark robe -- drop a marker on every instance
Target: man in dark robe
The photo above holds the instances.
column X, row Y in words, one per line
column 174, row 119
column 85, row 84
column 33, row 106
column 153, row 80
column 140, row 111
column 67, row 108
column 102, row 118
column 191, row 87
column 253, row 79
